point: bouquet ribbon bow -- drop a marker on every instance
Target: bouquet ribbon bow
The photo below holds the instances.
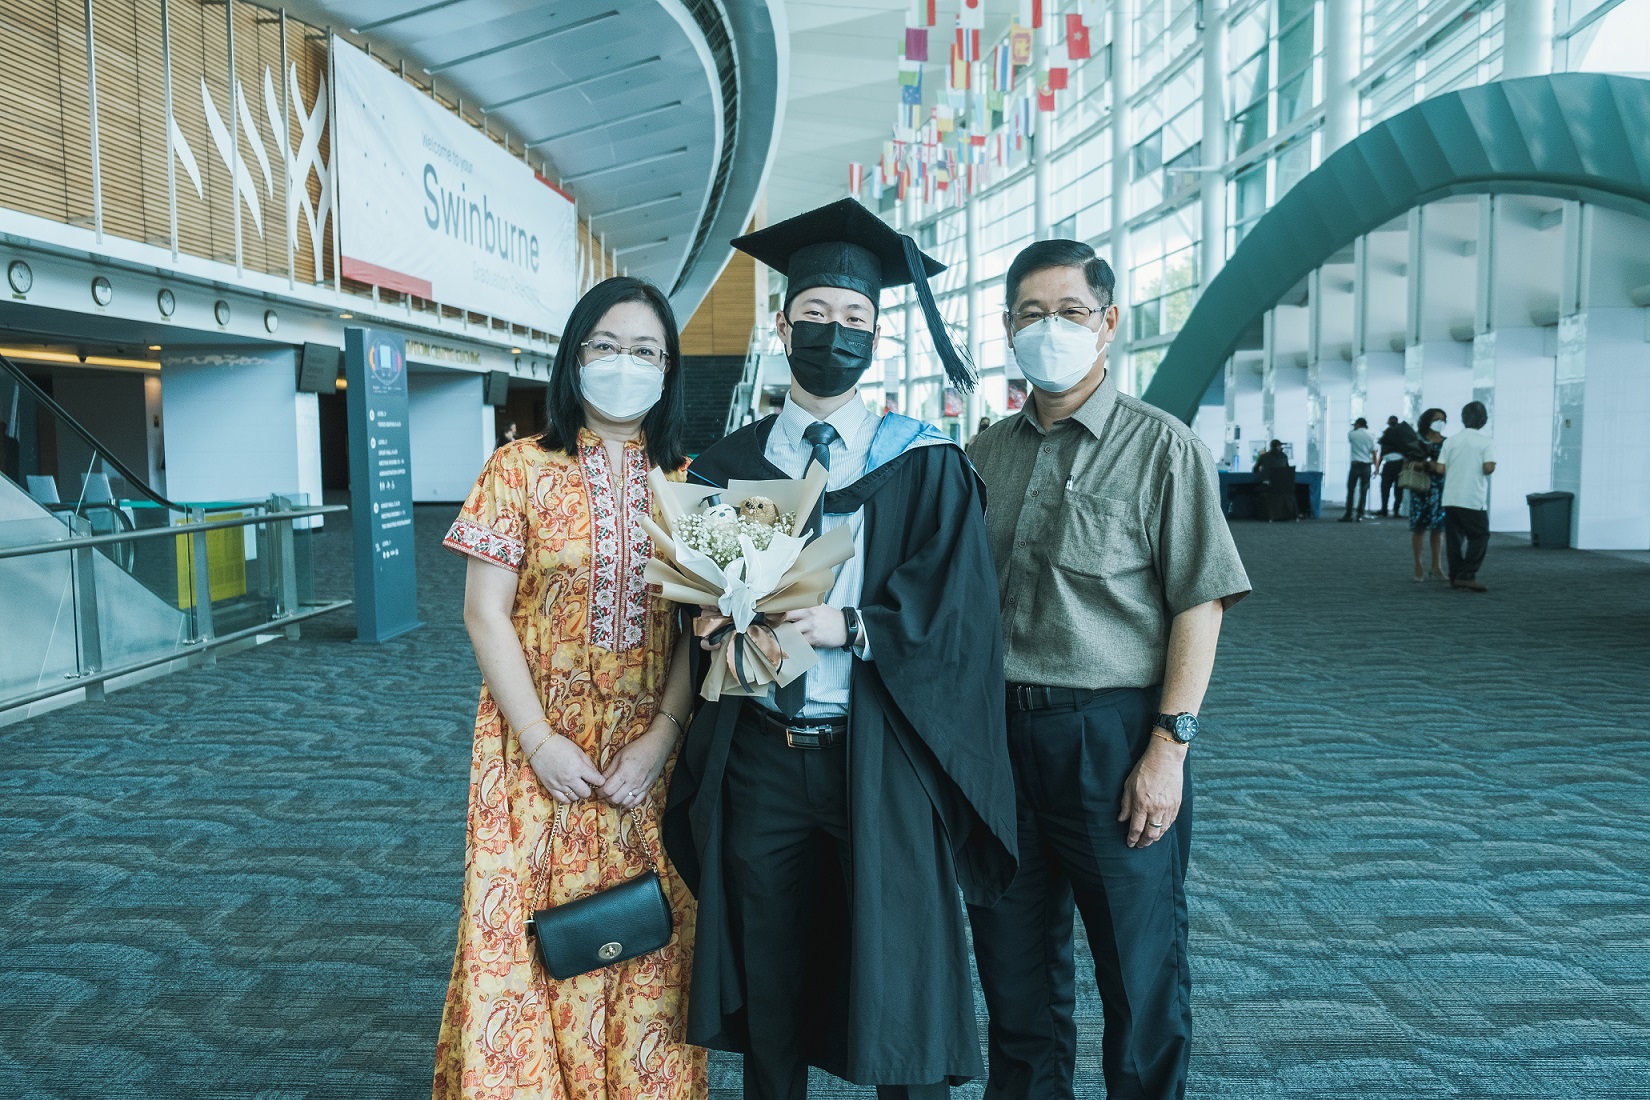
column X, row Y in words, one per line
column 753, row 652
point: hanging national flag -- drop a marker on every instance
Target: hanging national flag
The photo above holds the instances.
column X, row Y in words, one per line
column 1045, row 97
column 1059, row 68
column 1031, row 13
column 1004, row 68
column 911, row 94
column 1077, row 38
column 856, row 179
column 916, row 43
column 960, row 70
column 1019, row 42
column 972, row 14
column 922, row 13
column 968, row 43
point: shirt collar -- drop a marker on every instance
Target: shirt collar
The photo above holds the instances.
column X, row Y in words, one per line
column 1092, row 414
column 848, row 421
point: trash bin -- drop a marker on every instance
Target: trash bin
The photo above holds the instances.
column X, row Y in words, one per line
column 1550, row 519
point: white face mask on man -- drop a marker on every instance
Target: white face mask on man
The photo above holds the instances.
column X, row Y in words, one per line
column 621, row 387
column 1055, row 354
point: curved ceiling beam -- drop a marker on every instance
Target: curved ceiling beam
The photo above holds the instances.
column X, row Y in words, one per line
column 1570, row 136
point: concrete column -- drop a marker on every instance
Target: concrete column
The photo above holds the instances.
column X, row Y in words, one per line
column 237, row 428
column 450, row 429
column 1360, row 329
column 1269, row 375
column 1314, row 374
column 1212, row 194
column 1342, row 27
column 1527, row 38
column 1414, row 358
column 1484, row 308
column 1122, row 62
column 1230, row 452
column 1570, row 377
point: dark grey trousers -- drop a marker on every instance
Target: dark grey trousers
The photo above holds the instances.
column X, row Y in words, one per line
column 783, row 805
column 1069, row 768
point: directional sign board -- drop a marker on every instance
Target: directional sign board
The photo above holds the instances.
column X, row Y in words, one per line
column 380, row 472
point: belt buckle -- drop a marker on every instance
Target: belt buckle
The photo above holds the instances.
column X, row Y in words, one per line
column 1022, row 696
column 805, row 737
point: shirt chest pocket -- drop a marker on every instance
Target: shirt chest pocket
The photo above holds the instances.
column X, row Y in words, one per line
column 1100, row 536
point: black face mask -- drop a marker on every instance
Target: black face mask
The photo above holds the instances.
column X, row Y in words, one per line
column 827, row 360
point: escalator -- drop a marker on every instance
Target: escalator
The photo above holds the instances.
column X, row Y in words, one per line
column 103, row 580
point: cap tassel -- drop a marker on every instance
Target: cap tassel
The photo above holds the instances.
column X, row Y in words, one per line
column 959, row 365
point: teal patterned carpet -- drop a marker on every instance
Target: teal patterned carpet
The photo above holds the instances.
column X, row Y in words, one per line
column 1422, row 866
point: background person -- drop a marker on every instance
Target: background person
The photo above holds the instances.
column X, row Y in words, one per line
column 1426, row 512
column 1273, row 457
column 1363, row 464
column 1109, row 640
column 586, row 691
column 1396, row 442
column 1468, row 460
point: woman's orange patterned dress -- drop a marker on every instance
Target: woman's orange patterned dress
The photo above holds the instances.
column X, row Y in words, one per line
column 598, row 645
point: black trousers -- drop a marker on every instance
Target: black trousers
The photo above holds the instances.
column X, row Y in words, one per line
column 1358, row 478
column 785, row 807
column 1466, row 538
column 1389, row 485
column 1069, row 768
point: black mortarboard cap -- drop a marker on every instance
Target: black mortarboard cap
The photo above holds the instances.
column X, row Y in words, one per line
column 845, row 245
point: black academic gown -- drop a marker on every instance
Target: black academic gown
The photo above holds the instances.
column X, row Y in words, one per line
column 931, row 796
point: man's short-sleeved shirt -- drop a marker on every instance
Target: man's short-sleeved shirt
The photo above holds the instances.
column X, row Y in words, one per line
column 1102, row 530
column 1463, row 457
column 1363, row 445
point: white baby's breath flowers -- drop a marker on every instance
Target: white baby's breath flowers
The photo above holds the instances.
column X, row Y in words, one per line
column 716, row 533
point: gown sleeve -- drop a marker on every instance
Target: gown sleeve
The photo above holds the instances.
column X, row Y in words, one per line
column 492, row 525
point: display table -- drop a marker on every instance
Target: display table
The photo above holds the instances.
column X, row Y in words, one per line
column 1240, row 494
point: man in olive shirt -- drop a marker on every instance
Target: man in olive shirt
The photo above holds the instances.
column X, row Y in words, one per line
column 1116, row 567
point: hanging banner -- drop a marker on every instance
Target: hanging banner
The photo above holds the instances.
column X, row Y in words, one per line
column 380, row 482
column 431, row 207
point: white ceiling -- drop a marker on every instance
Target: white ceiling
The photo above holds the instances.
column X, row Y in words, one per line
column 844, row 91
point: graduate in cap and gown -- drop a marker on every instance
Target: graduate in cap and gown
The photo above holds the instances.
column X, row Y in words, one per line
column 826, row 829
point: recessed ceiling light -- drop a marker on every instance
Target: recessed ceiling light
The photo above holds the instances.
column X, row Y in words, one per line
column 345, row 316
column 515, row 351
column 154, row 347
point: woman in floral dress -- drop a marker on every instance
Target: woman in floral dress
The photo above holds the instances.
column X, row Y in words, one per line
column 585, row 695
column 1426, row 510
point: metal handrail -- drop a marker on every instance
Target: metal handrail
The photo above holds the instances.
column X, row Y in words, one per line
column 168, row 532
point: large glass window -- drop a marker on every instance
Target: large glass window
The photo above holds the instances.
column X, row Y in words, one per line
column 1164, row 278
column 1462, row 53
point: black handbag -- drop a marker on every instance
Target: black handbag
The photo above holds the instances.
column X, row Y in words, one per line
column 603, row 928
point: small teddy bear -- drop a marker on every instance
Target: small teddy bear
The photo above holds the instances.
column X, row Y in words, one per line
column 760, row 510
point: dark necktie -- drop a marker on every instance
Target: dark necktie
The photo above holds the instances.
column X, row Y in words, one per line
column 819, row 435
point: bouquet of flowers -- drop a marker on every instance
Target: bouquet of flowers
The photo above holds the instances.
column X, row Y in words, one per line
column 743, row 551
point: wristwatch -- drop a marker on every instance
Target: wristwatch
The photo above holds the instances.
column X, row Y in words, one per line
column 850, row 619
column 1181, row 728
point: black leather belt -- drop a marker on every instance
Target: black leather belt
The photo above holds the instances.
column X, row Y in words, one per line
column 1037, row 697
column 799, row 733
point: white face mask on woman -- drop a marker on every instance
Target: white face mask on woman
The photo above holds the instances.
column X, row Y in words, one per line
column 1055, row 354
column 622, row 387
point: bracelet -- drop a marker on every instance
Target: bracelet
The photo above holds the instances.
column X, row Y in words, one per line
column 1159, row 733
column 530, row 725
column 532, row 757
column 673, row 721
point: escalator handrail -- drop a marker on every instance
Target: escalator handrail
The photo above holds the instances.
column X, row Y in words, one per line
column 102, row 452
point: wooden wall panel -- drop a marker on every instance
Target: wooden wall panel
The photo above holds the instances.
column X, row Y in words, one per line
column 77, row 135
column 32, row 174
column 722, row 324
column 45, row 128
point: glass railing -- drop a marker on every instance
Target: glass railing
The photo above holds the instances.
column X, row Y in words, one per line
column 102, row 577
